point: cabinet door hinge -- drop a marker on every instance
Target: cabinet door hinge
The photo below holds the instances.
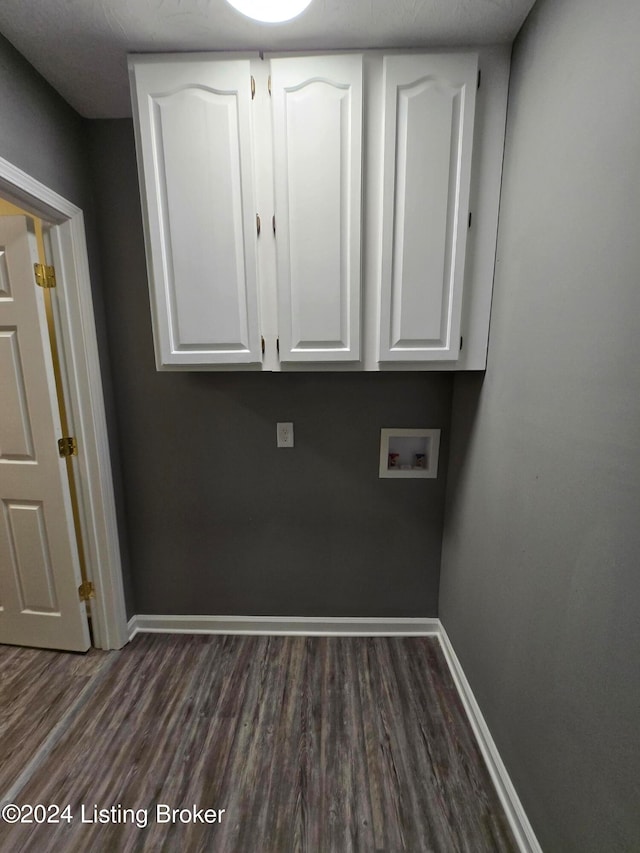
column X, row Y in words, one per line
column 461, row 342
column 273, row 223
column 67, row 446
column 258, row 223
column 269, row 84
column 479, row 77
column 45, row 275
column 470, row 218
column 278, row 345
column 86, row 591
column 253, row 87
column 262, row 343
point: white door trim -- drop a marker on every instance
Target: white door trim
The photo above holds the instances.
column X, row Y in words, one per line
column 79, row 357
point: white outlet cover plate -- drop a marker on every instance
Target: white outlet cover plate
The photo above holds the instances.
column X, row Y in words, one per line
column 284, row 434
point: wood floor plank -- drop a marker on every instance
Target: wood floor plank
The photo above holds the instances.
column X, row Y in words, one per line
column 278, row 808
column 419, row 821
column 131, row 726
column 382, row 805
column 37, row 688
column 199, row 768
column 424, row 738
column 306, row 825
column 317, row 745
column 461, row 774
column 248, row 789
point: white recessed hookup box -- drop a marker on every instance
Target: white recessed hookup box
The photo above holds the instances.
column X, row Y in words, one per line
column 409, row 453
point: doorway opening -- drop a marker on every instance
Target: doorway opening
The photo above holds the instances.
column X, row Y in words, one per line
column 79, row 380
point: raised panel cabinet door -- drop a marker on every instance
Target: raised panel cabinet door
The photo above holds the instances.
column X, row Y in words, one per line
column 429, row 106
column 317, row 137
column 195, row 155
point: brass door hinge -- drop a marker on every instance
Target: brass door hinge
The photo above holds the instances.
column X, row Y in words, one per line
column 67, row 446
column 45, row 275
column 86, row 591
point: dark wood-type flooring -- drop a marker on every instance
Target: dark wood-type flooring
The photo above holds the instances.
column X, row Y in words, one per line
column 322, row 745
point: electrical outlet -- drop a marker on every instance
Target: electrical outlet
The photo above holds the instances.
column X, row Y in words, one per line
column 285, row 435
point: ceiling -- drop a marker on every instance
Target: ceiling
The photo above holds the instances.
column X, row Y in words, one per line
column 80, row 46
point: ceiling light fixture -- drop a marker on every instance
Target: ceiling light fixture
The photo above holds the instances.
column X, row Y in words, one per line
column 270, row 11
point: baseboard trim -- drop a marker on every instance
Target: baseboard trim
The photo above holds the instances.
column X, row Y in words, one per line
column 309, row 626
column 516, row 815
column 317, row 626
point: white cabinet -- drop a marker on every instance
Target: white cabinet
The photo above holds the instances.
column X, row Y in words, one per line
column 195, row 149
column 317, row 152
column 429, row 107
column 368, row 166
column 197, row 145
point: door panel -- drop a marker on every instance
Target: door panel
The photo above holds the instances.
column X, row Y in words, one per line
column 5, row 287
column 317, row 117
column 29, row 548
column 428, row 136
column 16, row 440
column 39, row 567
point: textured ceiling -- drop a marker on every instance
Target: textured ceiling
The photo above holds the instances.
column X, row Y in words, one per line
column 80, row 46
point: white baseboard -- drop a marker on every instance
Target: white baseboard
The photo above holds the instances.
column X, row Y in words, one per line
column 318, row 626
column 309, row 626
column 518, row 821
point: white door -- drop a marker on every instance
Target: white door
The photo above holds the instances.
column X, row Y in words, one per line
column 429, row 106
column 317, row 141
column 195, row 152
column 39, row 567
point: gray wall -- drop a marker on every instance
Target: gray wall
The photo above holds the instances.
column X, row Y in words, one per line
column 42, row 135
column 540, row 588
column 219, row 520
column 39, row 132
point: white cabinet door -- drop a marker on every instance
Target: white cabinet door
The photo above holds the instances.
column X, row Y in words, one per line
column 195, row 150
column 429, row 104
column 317, row 131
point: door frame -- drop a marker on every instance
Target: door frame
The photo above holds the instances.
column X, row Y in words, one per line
column 78, row 352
